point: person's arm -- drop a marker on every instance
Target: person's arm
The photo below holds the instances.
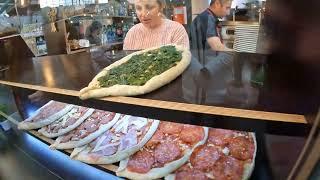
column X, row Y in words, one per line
column 213, row 38
column 216, row 45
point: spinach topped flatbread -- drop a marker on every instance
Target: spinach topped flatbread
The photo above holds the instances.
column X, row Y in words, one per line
column 142, row 67
column 139, row 73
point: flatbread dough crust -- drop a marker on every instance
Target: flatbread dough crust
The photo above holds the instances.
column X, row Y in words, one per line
column 69, row 128
column 95, row 91
column 248, row 167
column 73, row 144
column 157, row 173
column 28, row 125
column 120, row 155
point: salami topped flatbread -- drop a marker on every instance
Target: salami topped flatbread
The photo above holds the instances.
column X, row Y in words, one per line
column 125, row 138
column 66, row 123
column 168, row 149
column 47, row 114
column 91, row 128
column 139, row 73
column 226, row 155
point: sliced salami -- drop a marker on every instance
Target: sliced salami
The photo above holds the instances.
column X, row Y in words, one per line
column 191, row 134
column 141, row 162
column 166, row 150
column 226, row 155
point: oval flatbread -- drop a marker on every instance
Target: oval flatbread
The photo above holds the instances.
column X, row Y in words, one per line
column 66, row 123
column 153, row 81
column 128, row 136
column 227, row 154
column 95, row 125
column 47, row 114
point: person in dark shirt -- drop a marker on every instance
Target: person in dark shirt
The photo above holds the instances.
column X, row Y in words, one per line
column 205, row 28
column 212, row 63
column 93, row 33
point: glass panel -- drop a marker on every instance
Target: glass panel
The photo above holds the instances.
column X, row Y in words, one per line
column 259, row 55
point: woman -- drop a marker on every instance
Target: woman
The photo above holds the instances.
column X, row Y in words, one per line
column 154, row 29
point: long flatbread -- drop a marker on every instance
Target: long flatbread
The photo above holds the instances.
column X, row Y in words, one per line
column 44, row 116
column 90, row 129
column 226, row 155
column 66, row 123
column 168, row 149
column 95, row 90
column 128, row 136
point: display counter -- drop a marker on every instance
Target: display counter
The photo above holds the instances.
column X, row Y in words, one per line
column 188, row 99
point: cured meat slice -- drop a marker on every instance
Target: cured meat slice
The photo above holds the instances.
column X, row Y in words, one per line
column 191, row 175
column 228, row 168
column 241, row 147
column 125, row 138
column 67, row 123
column 220, row 137
column 167, row 152
column 205, row 157
column 191, row 134
column 129, row 140
column 226, row 155
column 156, row 139
column 46, row 115
column 141, row 162
column 171, row 128
column 48, row 111
column 90, row 129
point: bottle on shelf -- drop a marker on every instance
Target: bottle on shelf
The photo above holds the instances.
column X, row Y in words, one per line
column 125, row 30
column 104, row 38
column 109, row 33
column 116, row 8
column 131, row 11
column 114, row 32
column 110, row 11
column 123, row 9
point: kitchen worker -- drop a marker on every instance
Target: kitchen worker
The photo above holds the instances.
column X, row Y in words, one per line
column 212, row 62
column 205, row 32
column 93, row 33
column 154, row 29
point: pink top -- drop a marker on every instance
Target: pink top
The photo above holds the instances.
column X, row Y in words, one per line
column 169, row 32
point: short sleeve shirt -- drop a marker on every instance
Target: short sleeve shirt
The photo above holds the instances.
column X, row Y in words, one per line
column 212, row 24
column 204, row 26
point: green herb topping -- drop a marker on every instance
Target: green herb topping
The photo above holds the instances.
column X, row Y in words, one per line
column 141, row 68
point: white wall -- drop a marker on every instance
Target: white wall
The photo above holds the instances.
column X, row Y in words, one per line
column 198, row 6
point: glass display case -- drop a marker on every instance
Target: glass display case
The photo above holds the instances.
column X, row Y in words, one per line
column 265, row 82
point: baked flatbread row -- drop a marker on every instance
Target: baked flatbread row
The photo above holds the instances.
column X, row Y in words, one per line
column 146, row 148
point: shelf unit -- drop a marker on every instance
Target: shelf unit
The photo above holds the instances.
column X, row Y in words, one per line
column 99, row 17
